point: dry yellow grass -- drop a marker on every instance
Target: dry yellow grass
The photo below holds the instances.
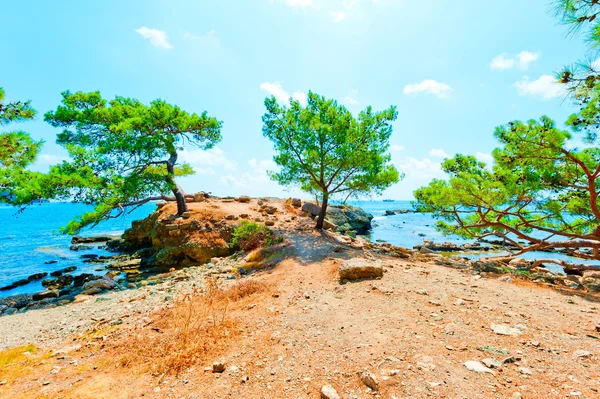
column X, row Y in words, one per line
column 198, row 325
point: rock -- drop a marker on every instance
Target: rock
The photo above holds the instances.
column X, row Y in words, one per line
column 45, row 295
column 582, row 353
column 296, row 202
column 269, row 223
column 91, row 291
column 104, row 283
column 422, row 292
column 50, row 262
column 516, row 395
column 18, row 283
column 503, row 329
column 186, row 215
column 59, row 282
column 477, row 367
column 37, row 276
column 360, row 268
column 506, row 279
column 218, row 367
column 492, row 363
column 344, row 217
column 270, row 210
column 490, row 266
column 244, row 199
column 83, row 278
column 328, row 392
column 369, row 380
column 91, row 239
column 327, row 225
column 425, row 251
column 15, row 301
column 525, row 371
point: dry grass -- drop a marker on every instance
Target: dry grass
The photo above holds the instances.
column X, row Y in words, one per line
column 197, row 326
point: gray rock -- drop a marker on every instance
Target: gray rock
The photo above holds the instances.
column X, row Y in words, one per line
column 360, row 268
column 503, row 329
column 296, row 202
column 492, row 363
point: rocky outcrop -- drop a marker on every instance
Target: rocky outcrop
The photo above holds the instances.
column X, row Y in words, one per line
column 176, row 242
column 342, row 218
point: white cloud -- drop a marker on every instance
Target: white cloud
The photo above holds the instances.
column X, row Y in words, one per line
column 422, row 170
column 522, row 60
column 545, row 86
column 438, row 89
column 525, row 58
column 395, row 147
column 483, row 157
column 275, row 89
column 501, row 62
column 256, row 176
column 209, row 37
column 158, row 38
column 296, row 3
column 204, row 161
column 337, row 16
column 438, row 153
column 351, row 98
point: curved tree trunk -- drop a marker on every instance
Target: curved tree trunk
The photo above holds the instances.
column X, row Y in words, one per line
column 175, row 188
column 321, row 218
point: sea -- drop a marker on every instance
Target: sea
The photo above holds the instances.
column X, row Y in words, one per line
column 30, row 241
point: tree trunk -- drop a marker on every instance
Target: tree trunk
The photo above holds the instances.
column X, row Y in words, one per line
column 321, row 218
column 177, row 191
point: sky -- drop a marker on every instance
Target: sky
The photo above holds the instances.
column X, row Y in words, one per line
column 454, row 69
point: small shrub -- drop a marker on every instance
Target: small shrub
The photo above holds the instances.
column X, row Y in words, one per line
column 251, row 235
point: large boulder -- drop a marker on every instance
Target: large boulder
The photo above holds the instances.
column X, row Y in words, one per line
column 344, row 218
column 360, row 268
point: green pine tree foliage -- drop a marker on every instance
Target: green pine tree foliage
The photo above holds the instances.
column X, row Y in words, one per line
column 322, row 148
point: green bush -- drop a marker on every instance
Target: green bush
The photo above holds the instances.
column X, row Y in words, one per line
column 251, row 235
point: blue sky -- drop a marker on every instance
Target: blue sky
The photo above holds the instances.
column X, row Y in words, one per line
column 454, row 69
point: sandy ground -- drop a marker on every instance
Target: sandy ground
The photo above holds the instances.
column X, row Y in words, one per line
column 413, row 330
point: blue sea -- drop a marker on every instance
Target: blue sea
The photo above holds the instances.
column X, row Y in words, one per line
column 30, row 239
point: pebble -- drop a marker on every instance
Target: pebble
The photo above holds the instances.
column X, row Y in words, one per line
column 582, row 353
column 369, row 380
column 503, row 329
column 328, row 392
column 525, row 371
column 218, row 367
column 516, row 395
column 477, row 367
column 422, row 292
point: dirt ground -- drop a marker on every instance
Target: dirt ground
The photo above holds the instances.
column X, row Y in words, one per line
column 413, row 330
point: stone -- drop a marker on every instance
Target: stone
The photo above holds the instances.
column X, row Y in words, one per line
column 422, row 292
column 172, row 227
column 426, row 251
column 91, row 291
column 360, row 268
column 369, row 380
column 582, row 353
column 186, row 215
column 492, row 363
column 270, row 210
column 503, row 329
column 218, row 367
column 90, row 239
column 296, row 202
column 244, row 199
column 37, row 276
column 328, row 392
column 516, row 395
column 269, row 223
column 104, row 283
column 45, row 295
column 477, row 367
column 525, row 371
